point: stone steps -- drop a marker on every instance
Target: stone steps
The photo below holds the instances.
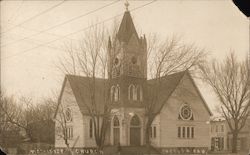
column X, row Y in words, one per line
column 138, row 150
column 130, row 150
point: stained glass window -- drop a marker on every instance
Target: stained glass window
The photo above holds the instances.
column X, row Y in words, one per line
column 68, row 115
column 186, row 112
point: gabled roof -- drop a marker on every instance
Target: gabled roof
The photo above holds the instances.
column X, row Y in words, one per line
column 199, row 93
column 167, row 86
column 127, row 28
column 82, row 88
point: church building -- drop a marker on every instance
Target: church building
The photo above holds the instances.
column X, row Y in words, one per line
column 182, row 121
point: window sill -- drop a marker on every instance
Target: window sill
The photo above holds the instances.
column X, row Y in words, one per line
column 186, row 138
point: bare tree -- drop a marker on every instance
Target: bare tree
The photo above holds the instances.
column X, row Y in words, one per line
column 41, row 125
column 8, row 109
column 165, row 58
column 90, row 59
column 13, row 112
column 230, row 81
column 34, row 120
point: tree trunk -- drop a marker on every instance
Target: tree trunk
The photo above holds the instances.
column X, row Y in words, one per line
column 147, row 134
column 234, row 142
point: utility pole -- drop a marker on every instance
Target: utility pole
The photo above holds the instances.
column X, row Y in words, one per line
column 249, row 43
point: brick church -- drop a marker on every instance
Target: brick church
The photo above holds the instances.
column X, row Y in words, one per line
column 181, row 124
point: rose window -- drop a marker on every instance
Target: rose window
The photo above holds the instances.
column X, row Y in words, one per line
column 186, row 112
column 68, row 115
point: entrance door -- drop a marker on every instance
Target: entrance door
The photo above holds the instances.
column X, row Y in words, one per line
column 116, row 130
column 116, row 135
column 135, row 136
column 135, row 131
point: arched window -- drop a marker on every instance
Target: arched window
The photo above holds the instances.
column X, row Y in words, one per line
column 90, row 128
column 116, row 121
column 117, row 93
column 139, row 92
column 135, row 121
column 116, row 130
column 132, row 92
column 135, row 94
column 112, row 93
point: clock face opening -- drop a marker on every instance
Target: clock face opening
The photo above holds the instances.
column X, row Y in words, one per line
column 134, row 60
column 116, row 61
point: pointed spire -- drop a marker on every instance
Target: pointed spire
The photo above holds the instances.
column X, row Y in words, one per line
column 127, row 28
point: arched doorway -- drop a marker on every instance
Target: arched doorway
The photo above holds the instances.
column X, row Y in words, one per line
column 116, row 130
column 135, row 131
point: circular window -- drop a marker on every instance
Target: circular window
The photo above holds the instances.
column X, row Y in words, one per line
column 186, row 112
column 68, row 116
column 134, row 60
column 116, row 61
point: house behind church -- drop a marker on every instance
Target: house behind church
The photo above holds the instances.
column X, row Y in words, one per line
column 221, row 136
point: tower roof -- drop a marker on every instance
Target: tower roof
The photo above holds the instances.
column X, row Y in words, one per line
column 127, row 28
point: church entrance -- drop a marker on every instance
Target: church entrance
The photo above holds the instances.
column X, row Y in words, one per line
column 116, row 130
column 135, row 131
column 116, row 136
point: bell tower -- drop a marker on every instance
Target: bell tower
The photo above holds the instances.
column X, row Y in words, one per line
column 128, row 63
column 128, row 77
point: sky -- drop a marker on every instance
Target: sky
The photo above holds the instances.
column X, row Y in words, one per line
column 28, row 60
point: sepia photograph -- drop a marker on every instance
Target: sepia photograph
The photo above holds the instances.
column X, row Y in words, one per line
column 125, row 77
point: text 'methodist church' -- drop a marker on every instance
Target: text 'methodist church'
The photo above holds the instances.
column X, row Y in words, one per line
column 180, row 123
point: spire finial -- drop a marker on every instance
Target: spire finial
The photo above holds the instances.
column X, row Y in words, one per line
column 126, row 4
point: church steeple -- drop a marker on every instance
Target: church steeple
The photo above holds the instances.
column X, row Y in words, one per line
column 127, row 27
column 127, row 63
column 127, row 51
